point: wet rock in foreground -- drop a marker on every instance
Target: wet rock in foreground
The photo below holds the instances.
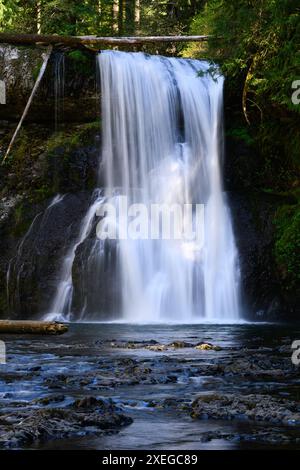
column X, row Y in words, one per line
column 274, row 436
column 85, row 416
column 153, row 345
column 261, row 408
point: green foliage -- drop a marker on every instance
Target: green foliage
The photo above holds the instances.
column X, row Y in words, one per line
column 69, row 140
column 262, row 42
column 20, row 151
column 168, row 17
column 287, row 245
column 257, row 44
column 70, row 17
column 8, row 9
column 62, row 154
column 78, row 56
column 258, row 38
column 241, row 133
column 36, row 70
column 36, row 150
column 80, row 62
column 18, row 15
column 87, row 17
column 42, row 193
column 21, row 222
column 213, row 70
column 56, row 16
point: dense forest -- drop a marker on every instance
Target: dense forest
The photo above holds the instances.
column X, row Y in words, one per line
column 108, row 17
column 257, row 45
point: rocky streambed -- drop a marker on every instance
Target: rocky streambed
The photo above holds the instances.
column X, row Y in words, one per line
column 118, row 386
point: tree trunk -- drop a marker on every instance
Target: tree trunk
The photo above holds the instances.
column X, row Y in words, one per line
column 137, row 14
column 121, row 16
column 32, row 327
column 39, row 16
column 115, row 24
column 36, row 85
column 77, row 41
column 99, row 13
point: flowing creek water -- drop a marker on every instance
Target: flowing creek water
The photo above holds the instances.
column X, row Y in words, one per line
column 118, row 362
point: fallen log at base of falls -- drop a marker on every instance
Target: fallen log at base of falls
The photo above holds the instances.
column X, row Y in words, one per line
column 46, row 57
column 32, row 327
column 91, row 41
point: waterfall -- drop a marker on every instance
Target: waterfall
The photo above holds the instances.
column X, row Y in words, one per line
column 162, row 144
column 17, row 264
column 59, row 87
column 63, row 298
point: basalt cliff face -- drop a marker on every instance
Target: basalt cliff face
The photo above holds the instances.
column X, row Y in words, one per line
column 57, row 153
column 19, row 68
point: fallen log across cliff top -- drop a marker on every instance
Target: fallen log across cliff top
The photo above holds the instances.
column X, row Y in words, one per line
column 77, row 41
column 32, row 327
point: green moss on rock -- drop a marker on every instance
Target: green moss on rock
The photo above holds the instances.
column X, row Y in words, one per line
column 73, row 137
column 287, row 244
column 43, row 163
column 81, row 62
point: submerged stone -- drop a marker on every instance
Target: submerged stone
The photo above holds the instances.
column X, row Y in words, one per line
column 207, row 347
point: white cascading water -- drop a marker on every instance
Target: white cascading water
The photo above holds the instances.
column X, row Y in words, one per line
column 59, row 87
column 16, row 264
column 162, row 143
column 62, row 304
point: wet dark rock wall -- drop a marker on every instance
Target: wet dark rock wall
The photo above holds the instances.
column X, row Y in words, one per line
column 32, row 264
column 97, row 287
column 263, row 294
column 19, row 68
column 255, row 202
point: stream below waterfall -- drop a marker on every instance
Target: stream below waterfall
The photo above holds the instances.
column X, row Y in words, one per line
column 142, row 371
